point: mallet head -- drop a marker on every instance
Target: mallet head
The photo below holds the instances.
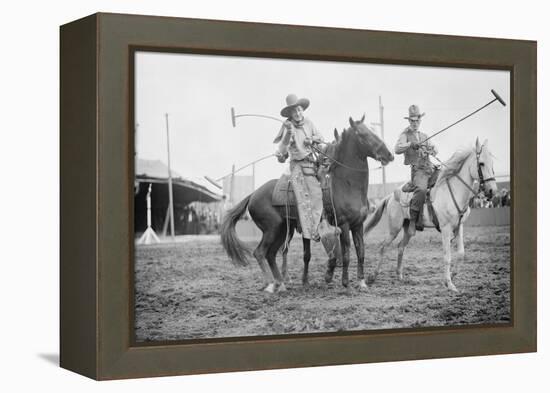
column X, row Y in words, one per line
column 498, row 97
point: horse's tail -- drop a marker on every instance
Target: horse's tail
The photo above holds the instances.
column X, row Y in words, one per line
column 375, row 218
column 235, row 249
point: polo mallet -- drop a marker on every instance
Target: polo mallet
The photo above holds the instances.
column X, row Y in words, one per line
column 234, row 123
column 234, row 117
column 215, row 182
column 497, row 98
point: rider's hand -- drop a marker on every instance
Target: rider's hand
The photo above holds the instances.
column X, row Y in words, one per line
column 308, row 142
column 415, row 145
column 281, row 157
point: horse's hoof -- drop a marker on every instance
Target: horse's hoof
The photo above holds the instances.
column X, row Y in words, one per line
column 282, row 287
column 345, row 282
column 400, row 276
column 363, row 285
column 328, row 277
column 305, row 283
column 371, row 278
column 270, row 288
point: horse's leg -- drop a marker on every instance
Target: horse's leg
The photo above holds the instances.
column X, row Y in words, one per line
column 260, row 254
column 358, row 241
column 307, row 258
column 400, row 250
column 272, row 257
column 331, row 265
column 446, row 235
column 286, row 277
column 345, row 242
column 459, row 249
column 394, row 231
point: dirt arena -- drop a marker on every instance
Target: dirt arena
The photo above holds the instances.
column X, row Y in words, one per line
column 191, row 290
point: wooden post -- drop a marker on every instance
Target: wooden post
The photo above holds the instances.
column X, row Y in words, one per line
column 170, row 194
column 166, row 220
column 149, row 236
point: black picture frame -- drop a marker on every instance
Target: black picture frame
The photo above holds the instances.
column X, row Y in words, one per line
column 97, row 234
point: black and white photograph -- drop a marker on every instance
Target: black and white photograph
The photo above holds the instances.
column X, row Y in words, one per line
column 293, row 197
column 239, row 196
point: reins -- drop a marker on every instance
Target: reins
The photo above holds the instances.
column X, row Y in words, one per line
column 335, row 161
column 458, row 177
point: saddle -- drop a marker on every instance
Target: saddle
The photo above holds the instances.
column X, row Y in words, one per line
column 283, row 192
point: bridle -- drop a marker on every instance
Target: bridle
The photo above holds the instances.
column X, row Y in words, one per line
column 481, row 179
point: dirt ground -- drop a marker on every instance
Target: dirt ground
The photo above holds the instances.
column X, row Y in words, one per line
column 191, row 290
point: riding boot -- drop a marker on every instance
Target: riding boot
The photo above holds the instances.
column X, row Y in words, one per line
column 419, row 223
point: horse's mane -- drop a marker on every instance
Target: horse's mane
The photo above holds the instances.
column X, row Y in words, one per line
column 339, row 145
column 334, row 148
column 454, row 164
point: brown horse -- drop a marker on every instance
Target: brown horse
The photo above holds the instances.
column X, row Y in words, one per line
column 349, row 174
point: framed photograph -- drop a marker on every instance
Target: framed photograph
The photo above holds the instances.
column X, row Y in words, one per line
column 242, row 196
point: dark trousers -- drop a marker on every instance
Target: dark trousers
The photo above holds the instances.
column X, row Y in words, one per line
column 420, row 176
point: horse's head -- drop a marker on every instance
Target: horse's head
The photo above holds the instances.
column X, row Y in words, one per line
column 368, row 143
column 483, row 169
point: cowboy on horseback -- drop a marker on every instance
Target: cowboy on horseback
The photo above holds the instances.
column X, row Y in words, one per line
column 296, row 138
column 413, row 145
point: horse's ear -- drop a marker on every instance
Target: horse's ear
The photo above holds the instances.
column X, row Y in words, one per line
column 362, row 119
column 477, row 144
column 351, row 122
column 486, row 143
column 336, row 136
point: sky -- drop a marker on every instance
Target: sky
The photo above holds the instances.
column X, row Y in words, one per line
column 198, row 91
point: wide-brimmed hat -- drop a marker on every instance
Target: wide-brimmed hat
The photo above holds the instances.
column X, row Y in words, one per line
column 414, row 113
column 292, row 101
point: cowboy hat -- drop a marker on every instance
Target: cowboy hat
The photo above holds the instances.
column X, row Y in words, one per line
column 292, row 101
column 414, row 113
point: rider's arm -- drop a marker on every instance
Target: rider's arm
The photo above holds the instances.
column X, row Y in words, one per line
column 282, row 147
column 402, row 145
column 286, row 136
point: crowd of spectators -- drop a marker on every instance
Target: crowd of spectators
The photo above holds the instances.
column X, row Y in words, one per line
column 501, row 198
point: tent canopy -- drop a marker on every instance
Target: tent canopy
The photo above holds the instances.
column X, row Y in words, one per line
column 186, row 190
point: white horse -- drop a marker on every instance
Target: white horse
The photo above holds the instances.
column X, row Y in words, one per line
column 450, row 198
